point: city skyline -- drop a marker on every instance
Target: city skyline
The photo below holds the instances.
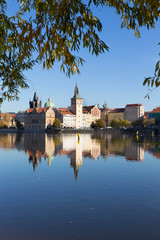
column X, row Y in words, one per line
column 115, row 77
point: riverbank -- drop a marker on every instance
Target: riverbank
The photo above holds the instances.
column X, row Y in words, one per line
column 140, row 131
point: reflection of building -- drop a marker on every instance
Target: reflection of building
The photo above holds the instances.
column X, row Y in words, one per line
column 134, row 151
column 34, row 158
column 38, row 146
column 122, row 146
column 7, row 141
column 49, row 148
column 76, row 157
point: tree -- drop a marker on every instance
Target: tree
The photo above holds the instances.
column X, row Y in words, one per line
column 7, row 119
column 57, row 123
column 125, row 123
column 54, row 30
column 19, row 125
column 148, row 122
column 2, row 124
column 115, row 123
column 99, row 123
column 136, row 123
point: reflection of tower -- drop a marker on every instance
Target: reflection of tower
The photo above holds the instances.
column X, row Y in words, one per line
column 49, row 148
column 76, row 107
column 76, row 157
column 35, row 160
column 35, row 103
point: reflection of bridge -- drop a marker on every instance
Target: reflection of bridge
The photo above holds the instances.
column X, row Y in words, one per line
column 38, row 146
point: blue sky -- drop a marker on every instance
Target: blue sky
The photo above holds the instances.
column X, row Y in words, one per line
column 115, row 77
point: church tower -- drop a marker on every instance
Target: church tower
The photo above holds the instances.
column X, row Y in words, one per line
column 35, row 103
column 76, row 107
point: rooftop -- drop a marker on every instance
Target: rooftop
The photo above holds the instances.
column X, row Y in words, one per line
column 117, row 110
column 65, row 111
column 39, row 110
column 133, row 105
column 155, row 110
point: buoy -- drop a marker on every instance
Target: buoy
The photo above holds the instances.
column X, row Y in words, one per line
column 78, row 137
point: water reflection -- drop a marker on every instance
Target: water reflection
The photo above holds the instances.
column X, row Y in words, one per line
column 38, row 146
column 113, row 200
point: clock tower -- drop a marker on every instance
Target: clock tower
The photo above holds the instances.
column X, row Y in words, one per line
column 76, row 107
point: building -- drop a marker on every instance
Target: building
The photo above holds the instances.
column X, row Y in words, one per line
column 67, row 118
column 39, row 118
column 76, row 107
column 35, row 103
column 155, row 113
column 8, row 119
column 116, row 114
column 92, row 113
column 104, row 114
column 20, row 117
column 134, row 112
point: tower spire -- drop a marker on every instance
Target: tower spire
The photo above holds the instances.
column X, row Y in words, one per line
column 76, row 91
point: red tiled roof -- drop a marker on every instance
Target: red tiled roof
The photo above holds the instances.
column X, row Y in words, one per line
column 65, row 111
column 155, row 110
column 133, row 105
column 87, row 109
column 39, row 110
column 11, row 115
column 117, row 110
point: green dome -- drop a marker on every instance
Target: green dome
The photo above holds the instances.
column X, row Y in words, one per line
column 49, row 104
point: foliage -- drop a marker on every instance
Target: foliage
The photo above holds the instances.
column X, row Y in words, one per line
column 120, row 123
column 2, row 124
column 99, row 123
column 92, row 125
column 47, row 31
column 7, row 119
column 148, row 122
column 136, row 123
column 115, row 123
column 125, row 123
column 57, row 123
column 19, row 125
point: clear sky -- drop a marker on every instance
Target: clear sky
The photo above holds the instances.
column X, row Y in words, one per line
column 115, row 77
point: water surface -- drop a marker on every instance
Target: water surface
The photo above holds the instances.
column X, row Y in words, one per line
column 57, row 187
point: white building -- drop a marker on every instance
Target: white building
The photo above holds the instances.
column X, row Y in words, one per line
column 67, row 118
column 133, row 112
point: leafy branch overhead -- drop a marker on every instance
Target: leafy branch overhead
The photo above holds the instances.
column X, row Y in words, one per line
column 47, row 31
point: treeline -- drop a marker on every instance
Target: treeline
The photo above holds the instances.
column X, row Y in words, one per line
column 136, row 123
